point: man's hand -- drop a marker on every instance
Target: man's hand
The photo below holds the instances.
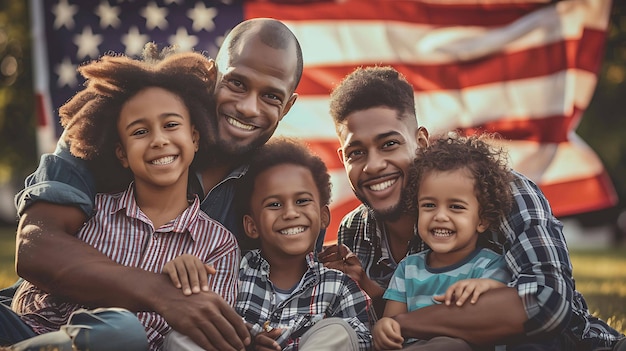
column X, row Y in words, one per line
column 208, row 320
column 460, row 291
column 386, row 335
column 266, row 340
column 189, row 273
column 341, row 258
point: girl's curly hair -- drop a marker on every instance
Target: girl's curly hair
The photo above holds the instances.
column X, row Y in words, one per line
column 487, row 163
column 90, row 117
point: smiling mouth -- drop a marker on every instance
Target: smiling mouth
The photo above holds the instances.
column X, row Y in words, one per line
column 235, row 123
column 163, row 160
column 293, row 230
column 442, row 233
column 382, row 186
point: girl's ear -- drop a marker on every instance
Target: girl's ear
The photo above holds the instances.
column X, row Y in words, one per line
column 325, row 217
column 250, row 227
column 121, row 155
column 482, row 225
column 195, row 137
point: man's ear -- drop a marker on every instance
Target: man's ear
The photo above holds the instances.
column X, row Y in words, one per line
column 325, row 217
column 290, row 102
column 340, row 154
column 250, row 227
column 422, row 137
column 121, row 155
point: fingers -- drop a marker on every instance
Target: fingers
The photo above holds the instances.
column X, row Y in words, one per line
column 190, row 278
column 170, row 270
column 263, row 342
column 329, row 254
column 234, row 319
column 461, row 291
column 210, row 269
column 387, row 335
column 222, row 327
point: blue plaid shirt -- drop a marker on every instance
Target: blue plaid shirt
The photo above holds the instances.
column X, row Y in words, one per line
column 531, row 235
column 322, row 293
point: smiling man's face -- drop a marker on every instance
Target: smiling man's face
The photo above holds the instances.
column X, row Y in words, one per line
column 254, row 91
column 377, row 147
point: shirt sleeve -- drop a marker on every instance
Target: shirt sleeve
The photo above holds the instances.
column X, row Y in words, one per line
column 226, row 262
column 538, row 259
column 396, row 291
column 497, row 270
column 355, row 307
column 60, row 178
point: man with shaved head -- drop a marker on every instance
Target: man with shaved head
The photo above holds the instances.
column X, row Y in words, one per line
column 259, row 67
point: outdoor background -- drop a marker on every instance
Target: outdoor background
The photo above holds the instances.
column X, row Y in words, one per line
column 596, row 238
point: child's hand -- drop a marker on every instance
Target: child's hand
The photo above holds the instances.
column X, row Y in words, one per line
column 386, row 334
column 189, row 273
column 266, row 340
column 460, row 291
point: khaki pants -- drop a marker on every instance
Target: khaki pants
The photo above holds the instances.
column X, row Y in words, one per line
column 440, row 343
column 330, row 334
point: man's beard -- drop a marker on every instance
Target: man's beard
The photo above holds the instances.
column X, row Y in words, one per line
column 229, row 151
column 389, row 214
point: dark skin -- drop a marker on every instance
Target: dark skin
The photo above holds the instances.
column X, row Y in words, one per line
column 479, row 323
column 42, row 234
column 332, row 257
column 46, row 231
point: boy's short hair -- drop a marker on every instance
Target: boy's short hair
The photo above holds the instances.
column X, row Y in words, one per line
column 90, row 117
column 279, row 151
column 487, row 163
column 370, row 87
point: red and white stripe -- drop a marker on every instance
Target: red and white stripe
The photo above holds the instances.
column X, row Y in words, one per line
column 524, row 69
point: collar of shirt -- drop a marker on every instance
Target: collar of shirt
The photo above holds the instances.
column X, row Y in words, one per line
column 183, row 223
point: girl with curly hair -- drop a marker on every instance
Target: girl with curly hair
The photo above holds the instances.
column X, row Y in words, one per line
column 140, row 122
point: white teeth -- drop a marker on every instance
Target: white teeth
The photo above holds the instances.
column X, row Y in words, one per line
column 383, row 185
column 442, row 232
column 238, row 124
column 292, row 231
column 164, row 160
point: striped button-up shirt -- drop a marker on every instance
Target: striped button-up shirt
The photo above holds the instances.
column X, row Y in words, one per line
column 124, row 233
column 536, row 255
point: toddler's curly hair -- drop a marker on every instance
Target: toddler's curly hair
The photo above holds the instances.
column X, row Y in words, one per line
column 486, row 162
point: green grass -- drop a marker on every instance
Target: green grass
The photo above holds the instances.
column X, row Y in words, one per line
column 600, row 275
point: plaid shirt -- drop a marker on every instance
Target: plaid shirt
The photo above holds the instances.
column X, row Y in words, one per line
column 322, row 293
column 531, row 235
column 122, row 231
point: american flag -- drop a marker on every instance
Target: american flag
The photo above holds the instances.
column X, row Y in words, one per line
column 526, row 69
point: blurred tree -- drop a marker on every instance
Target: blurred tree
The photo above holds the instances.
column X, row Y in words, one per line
column 603, row 125
column 18, row 152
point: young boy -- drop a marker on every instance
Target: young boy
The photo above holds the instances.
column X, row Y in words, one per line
column 149, row 115
column 461, row 188
column 291, row 301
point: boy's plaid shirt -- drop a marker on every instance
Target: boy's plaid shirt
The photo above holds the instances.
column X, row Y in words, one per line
column 322, row 293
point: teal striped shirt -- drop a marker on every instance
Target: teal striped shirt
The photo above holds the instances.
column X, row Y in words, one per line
column 415, row 283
